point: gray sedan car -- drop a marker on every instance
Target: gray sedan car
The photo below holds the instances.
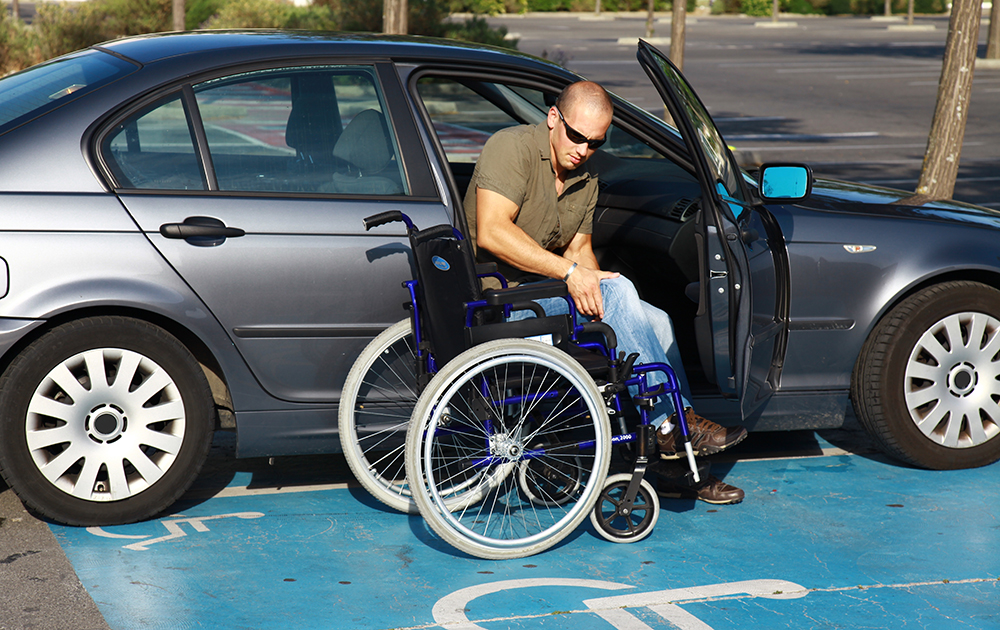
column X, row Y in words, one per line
column 181, row 251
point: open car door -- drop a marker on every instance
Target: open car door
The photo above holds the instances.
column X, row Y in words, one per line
column 740, row 324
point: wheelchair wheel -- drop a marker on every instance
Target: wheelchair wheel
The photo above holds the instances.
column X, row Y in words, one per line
column 496, row 411
column 375, row 407
column 625, row 528
column 549, row 483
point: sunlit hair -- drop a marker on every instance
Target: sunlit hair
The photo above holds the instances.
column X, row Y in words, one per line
column 585, row 93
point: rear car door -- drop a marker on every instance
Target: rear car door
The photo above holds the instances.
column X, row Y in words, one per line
column 740, row 322
column 253, row 186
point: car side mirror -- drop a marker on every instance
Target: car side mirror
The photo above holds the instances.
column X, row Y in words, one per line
column 784, row 182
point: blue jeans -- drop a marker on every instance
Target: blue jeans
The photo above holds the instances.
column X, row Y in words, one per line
column 640, row 327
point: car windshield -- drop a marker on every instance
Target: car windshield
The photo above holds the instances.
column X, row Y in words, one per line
column 41, row 88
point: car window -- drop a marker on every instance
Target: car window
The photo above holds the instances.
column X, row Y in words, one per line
column 317, row 130
column 46, row 86
column 465, row 112
column 155, row 149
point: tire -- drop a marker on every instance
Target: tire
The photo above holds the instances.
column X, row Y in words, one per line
column 927, row 382
column 375, row 408
column 90, row 451
column 460, row 434
column 640, row 520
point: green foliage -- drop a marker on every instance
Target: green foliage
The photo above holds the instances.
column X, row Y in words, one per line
column 271, row 14
column 757, row 8
column 477, row 30
column 18, row 45
column 832, row 7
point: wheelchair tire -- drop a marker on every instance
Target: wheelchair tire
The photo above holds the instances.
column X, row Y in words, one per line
column 632, row 527
column 376, row 403
column 482, row 416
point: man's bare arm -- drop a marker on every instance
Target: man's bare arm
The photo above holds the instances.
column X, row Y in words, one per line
column 497, row 234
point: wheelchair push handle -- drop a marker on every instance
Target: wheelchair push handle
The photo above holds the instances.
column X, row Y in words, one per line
column 387, row 217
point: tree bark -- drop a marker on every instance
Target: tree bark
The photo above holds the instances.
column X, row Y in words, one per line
column 394, row 17
column 993, row 39
column 597, row 7
column 15, row 9
column 178, row 10
column 677, row 24
column 944, row 145
column 649, row 20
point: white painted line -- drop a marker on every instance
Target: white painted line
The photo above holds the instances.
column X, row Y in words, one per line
column 741, row 119
column 845, row 147
column 243, row 491
column 914, row 67
column 777, row 137
column 896, row 75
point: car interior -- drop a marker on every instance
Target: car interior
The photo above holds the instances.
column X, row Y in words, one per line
column 302, row 130
column 644, row 221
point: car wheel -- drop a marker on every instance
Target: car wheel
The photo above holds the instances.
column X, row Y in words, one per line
column 105, row 420
column 927, row 383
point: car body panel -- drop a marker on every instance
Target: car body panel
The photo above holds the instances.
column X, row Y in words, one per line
column 284, row 343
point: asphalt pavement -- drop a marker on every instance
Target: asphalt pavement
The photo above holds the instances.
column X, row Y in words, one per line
column 831, row 535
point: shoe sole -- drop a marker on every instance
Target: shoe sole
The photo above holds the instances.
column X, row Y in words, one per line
column 705, row 451
column 694, row 497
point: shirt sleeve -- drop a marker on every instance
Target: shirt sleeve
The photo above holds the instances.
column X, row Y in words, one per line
column 587, row 225
column 504, row 166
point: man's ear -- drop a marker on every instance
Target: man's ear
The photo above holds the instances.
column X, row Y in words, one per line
column 553, row 118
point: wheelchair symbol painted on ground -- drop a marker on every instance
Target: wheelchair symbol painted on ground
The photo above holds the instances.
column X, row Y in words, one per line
column 197, row 523
column 451, row 611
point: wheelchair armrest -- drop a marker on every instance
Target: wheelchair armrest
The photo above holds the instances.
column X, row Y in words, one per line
column 534, row 291
column 485, row 268
column 611, row 340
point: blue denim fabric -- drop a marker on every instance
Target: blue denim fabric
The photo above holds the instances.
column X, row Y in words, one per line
column 640, row 327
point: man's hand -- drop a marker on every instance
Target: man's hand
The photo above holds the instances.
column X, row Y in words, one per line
column 585, row 288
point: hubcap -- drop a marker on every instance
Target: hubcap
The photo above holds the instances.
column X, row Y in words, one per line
column 951, row 383
column 105, row 424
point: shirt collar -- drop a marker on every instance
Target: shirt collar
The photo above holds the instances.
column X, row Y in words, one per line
column 545, row 153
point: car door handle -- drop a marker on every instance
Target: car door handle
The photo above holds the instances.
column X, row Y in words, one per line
column 200, row 227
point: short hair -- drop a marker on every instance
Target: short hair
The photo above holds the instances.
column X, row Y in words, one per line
column 586, row 93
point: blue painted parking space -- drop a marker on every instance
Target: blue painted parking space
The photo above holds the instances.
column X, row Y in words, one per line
column 835, row 540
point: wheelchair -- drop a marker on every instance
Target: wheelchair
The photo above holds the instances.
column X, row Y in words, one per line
column 498, row 433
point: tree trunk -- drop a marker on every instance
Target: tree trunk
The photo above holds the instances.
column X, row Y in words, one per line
column 649, row 20
column 944, row 145
column 597, row 7
column 15, row 10
column 774, row 11
column 888, row 8
column 993, row 39
column 677, row 22
column 178, row 15
column 394, row 17
column 909, row 13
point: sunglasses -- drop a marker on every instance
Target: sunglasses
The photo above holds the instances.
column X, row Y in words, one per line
column 578, row 138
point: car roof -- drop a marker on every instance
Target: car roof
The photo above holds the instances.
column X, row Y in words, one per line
column 270, row 44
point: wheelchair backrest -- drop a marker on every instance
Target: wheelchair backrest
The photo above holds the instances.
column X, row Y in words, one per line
column 446, row 281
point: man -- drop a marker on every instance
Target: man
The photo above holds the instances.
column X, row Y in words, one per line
column 530, row 208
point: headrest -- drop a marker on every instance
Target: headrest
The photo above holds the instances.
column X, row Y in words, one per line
column 310, row 128
column 365, row 142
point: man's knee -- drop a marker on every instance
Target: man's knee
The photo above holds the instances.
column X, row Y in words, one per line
column 619, row 291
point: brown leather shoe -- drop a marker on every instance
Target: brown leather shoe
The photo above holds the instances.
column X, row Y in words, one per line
column 712, row 490
column 707, row 437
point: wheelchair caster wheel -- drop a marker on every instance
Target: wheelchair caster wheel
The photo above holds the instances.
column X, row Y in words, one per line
column 615, row 524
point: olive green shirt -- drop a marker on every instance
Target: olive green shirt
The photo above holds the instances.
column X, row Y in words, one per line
column 517, row 163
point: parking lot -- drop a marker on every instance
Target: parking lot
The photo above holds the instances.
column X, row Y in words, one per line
column 831, row 533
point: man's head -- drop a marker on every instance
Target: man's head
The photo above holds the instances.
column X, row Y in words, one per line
column 577, row 123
